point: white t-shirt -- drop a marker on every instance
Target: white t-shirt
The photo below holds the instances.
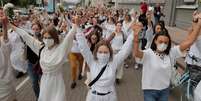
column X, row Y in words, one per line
column 195, row 51
column 156, row 73
column 117, row 42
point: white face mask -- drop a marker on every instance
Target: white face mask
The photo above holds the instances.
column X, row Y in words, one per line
column 162, row 47
column 48, row 42
column 103, row 58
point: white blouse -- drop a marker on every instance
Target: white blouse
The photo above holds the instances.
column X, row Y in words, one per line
column 52, row 87
column 195, row 51
column 156, row 73
column 106, row 81
column 18, row 60
column 117, row 42
column 6, row 73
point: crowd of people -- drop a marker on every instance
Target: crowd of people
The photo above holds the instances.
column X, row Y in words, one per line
column 97, row 42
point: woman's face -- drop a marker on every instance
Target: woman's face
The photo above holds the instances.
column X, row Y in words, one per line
column 36, row 29
column 158, row 28
column 162, row 40
column 94, row 39
column 103, row 50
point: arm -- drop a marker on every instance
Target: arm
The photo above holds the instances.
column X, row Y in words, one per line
column 125, row 50
column 67, row 42
column 84, row 48
column 192, row 36
column 136, row 51
column 110, row 37
column 32, row 42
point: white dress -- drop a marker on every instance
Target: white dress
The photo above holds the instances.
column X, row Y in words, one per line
column 7, row 89
column 106, row 82
column 52, row 87
column 197, row 92
column 117, row 43
column 108, row 29
column 17, row 56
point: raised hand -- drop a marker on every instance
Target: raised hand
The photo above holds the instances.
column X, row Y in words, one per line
column 137, row 27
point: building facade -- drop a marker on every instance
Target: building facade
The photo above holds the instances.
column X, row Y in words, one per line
column 179, row 12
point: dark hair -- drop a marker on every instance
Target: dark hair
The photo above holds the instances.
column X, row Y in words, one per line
column 162, row 23
column 164, row 32
column 56, row 21
column 158, row 24
column 53, row 33
column 38, row 24
column 129, row 17
column 118, row 22
column 103, row 43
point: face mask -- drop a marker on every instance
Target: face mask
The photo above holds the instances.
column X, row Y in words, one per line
column 103, row 58
column 48, row 42
column 162, row 47
column 37, row 33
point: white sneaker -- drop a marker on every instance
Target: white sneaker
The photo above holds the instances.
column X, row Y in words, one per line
column 136, row 66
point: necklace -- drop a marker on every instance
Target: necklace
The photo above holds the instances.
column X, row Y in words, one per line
column 161, row 55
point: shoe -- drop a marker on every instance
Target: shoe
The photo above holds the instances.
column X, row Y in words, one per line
column 80, row 77
column 20, row 74
column 126, row 65
column 117, row 81
column 73, row 85
column 136, row 66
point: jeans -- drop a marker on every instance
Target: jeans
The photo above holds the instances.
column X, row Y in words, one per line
column 35, row 78
column 156, row 95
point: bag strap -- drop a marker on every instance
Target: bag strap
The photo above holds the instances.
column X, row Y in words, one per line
column 41, row 50
column 98, row 77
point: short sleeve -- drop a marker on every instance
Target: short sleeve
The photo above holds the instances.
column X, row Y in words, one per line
column 146, row 55
column 175, row 52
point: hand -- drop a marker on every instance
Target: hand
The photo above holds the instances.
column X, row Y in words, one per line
column 137, row 27
column 76, row 20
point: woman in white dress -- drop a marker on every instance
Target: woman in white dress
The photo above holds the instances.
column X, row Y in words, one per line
column 52, row 60
column 117, row 41
column 159, row 59
column 18, row 59
column 7, row 88
column 104, row 88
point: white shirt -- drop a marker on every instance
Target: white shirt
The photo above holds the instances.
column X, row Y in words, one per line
column 6, row 73
column 156, row 72
column 196, row 52
column 108, row 29
column 106, row 82
column 52, row 87
column 18, row 60
column 117, row 42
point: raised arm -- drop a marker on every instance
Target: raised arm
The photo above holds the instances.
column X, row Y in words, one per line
column 32, row 42
column 193, row 34
column 125, row 50
column 136, row 51
column 84, row 48
column 67, row 42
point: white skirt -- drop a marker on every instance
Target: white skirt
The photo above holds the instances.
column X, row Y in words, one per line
column 109, row 97
column 52, row 87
